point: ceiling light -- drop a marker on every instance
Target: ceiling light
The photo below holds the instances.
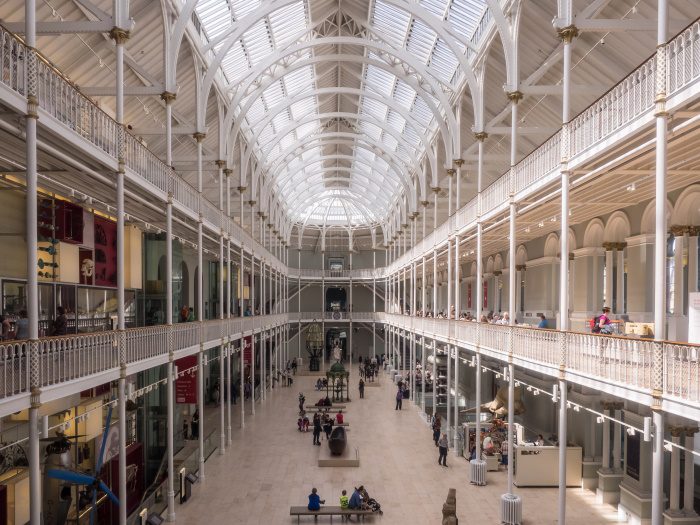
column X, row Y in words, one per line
column 553, row 219
column 540, row 224
column 527, row 230
column 632, row 187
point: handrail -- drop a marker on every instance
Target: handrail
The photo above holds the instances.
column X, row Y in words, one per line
column 632, row 362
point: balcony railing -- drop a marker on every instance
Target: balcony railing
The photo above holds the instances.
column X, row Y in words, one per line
column 66, row 358
column 623, row 361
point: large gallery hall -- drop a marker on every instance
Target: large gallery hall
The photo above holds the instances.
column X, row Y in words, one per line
column 407, row 262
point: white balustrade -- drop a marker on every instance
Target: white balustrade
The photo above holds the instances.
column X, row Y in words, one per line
column 185, row 335
column 14, row 368
column 682, row 371
column 12, row 70
column 66, row 358
column 147, row 342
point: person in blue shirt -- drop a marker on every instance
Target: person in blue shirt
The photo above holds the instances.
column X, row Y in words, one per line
column 315, row 500
column 355, row 499
column 543, row 322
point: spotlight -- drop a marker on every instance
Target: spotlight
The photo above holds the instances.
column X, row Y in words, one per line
column 599, row 419
column 631, row 431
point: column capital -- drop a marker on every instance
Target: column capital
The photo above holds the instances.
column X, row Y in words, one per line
column 611, row 246
column 425, row 203
column 119, row 35
column 521, row 267
column 436, row 189
column 690, row 431
column 515, row 96
column 678, row 230
column 220, row 163
column 252, row 203
column 168, row 97
column 459, row 162
column 568, row 33
column 228, row 172
column 497, row 273
column 199, row 136
column 481, row 136
column 451, row 171
column 676, row 430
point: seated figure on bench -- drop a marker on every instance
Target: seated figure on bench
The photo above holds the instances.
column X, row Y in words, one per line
column 315, row 500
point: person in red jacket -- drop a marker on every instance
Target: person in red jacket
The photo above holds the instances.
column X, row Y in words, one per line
column 339, row 417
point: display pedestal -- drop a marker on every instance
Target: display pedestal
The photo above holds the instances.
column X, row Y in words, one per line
column 590, row 475
column 634, row 506
column 349, row 458
column 679, row 517
column 608, row 489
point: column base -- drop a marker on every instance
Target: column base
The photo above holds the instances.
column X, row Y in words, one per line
column 589, row 479
column 674, row 517
column 634, row 506
column 608, row 486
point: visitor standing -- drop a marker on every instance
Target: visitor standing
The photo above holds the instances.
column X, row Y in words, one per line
column 317, row 429
column 362, row 388
column 504, row 452
column 22, row 326
column 60, row 324
column 442, row 447
column 194, row 425
column 399, row 397
column 437, row 424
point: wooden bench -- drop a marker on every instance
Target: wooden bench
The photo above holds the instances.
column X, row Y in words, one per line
column 327, row 510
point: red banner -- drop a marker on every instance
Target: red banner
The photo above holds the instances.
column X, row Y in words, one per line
column 469, row 296
column 248, row 349
column 486, row 294
column 186, row 386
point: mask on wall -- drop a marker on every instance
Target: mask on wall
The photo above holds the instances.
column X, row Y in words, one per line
column 87, row 268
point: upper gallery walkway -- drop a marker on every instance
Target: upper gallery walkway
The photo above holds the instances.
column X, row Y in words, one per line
column 273, row 466
column 626, row 367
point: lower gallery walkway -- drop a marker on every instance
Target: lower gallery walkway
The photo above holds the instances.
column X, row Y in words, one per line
column 272, row 466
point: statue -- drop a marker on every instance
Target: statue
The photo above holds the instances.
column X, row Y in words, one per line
column 338, row 441
column 337, row 352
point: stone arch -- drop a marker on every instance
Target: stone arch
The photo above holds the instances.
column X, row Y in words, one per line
column 472, row 271
column 686, row 212
column 572, row 240
column 594, row 234
column 551, row 245
column 648, row 223
column 617, row 228
column 521, row 255
column 489, row 265
column 497, row 263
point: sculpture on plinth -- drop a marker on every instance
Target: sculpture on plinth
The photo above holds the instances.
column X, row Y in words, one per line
column 338, row 441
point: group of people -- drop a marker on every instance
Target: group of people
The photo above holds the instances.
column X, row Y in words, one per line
column 322, row 422
column 359, row 500
column 369, row 368
column 20, row 330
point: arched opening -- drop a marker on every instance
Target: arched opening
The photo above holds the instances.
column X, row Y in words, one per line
column 336, row 299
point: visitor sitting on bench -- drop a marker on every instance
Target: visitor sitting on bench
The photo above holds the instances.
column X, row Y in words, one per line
column 315, row 500
column 319, row 384
column 339, row 417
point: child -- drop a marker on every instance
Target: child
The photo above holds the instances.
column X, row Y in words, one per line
column 344, row 502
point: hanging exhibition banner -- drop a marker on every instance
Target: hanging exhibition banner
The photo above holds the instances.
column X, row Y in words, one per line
column 248, row 349
column 186, row 385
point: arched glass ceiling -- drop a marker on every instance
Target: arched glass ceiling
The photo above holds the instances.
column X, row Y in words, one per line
column 337, row 100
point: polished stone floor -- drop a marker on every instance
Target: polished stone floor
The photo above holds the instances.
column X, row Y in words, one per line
column 271, row 466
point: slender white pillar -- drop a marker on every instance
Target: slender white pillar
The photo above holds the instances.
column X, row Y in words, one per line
column 171, row 355
column 374, row 301
column 435, row 382
column 32, row 278
column 199, row 137
column 252, row 331
column 448, row 355
column 223, row 391
column 120, row 38
column 435, row 279
column 657, row 484
column 456, row 402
